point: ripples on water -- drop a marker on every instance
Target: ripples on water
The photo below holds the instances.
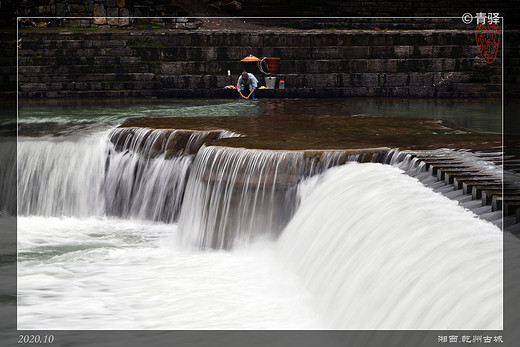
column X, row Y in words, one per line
column 58, row 117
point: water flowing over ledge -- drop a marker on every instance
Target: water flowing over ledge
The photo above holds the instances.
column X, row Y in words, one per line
column 222, row 195
column 382, row 251
column 366, row 242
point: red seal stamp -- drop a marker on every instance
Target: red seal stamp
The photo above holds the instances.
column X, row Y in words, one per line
column 488, row 40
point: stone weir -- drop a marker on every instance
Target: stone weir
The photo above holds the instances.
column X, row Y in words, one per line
column 321, row 142
column 164, row 62
column 246, row 171
column 477, row 179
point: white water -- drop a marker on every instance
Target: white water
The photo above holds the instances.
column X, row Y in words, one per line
column 86, row 176
column 369, row 247
column 235, row 195
column 94, row 273
column 61, row 176
column 380, row 251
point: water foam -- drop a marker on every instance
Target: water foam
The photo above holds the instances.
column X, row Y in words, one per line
column 104, row 273
column 381, row 251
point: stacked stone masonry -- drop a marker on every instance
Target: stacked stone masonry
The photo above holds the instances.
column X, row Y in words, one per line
column 160, row 62
column 115, row 13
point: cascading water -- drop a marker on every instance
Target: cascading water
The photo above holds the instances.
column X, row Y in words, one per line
column 375, row 248
column 380, row 251
column 139, row 181
column 235, row 194
column 130, row 173
column 61, row 177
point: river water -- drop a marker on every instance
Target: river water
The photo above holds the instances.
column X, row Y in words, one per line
column 360, row 246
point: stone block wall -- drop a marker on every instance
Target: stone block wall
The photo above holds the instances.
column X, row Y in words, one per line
column 443, row 63
column 101, row 13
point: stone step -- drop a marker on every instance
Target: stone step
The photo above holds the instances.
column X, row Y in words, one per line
column 75, row 60
column 435, row 163
column 517, row 213
column 487, row 194
column 469, row 185
column 86, row 86
column 447, row 173
column 87, row 52
column 31, row 71
column 86, row 77
column 506, row 203
column 380, row 57
column 453, row 38
column 103, row 93
column 476, row 189
column 437, row 169
column 458, row 180
column 52, row 42
column 199, row 52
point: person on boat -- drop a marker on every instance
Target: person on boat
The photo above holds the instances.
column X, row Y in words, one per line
column 246, row 85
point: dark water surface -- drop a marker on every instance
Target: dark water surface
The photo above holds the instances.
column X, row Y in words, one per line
column 66, row 116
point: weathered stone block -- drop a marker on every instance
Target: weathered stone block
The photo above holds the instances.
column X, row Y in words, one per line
column 362, row 39
column 274, row 40
column 318, row 66
column 99, row 10
column 112, row 12
column 42, row 10
column 421, row 91
column 114, row 21
column 120, row 3
column 124, row 12
column 85, row 23
column 75, row 23
column 402, row 51
column 397, row 91
column 379, row 40
column 420, row 79
column 395, row 79
column 370, row 79
column 358, row 66
column 426, row 51
column 111, row 3
column 380, row 52
column 99, row 20
column 298, row 40
column 76, row 8
column 249, row 40
column 381, row 65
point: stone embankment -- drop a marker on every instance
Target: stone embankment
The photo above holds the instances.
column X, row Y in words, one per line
column 192, row 63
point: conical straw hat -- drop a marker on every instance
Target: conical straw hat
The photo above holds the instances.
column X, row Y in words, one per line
column 250, row 58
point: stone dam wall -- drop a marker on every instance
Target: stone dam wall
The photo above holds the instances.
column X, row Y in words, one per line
column 194, row 63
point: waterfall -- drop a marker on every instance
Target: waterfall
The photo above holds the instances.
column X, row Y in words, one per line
column 236, row 194
column 144, row 177
column 61, row 177
column 380, row 251
column 129, row 172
